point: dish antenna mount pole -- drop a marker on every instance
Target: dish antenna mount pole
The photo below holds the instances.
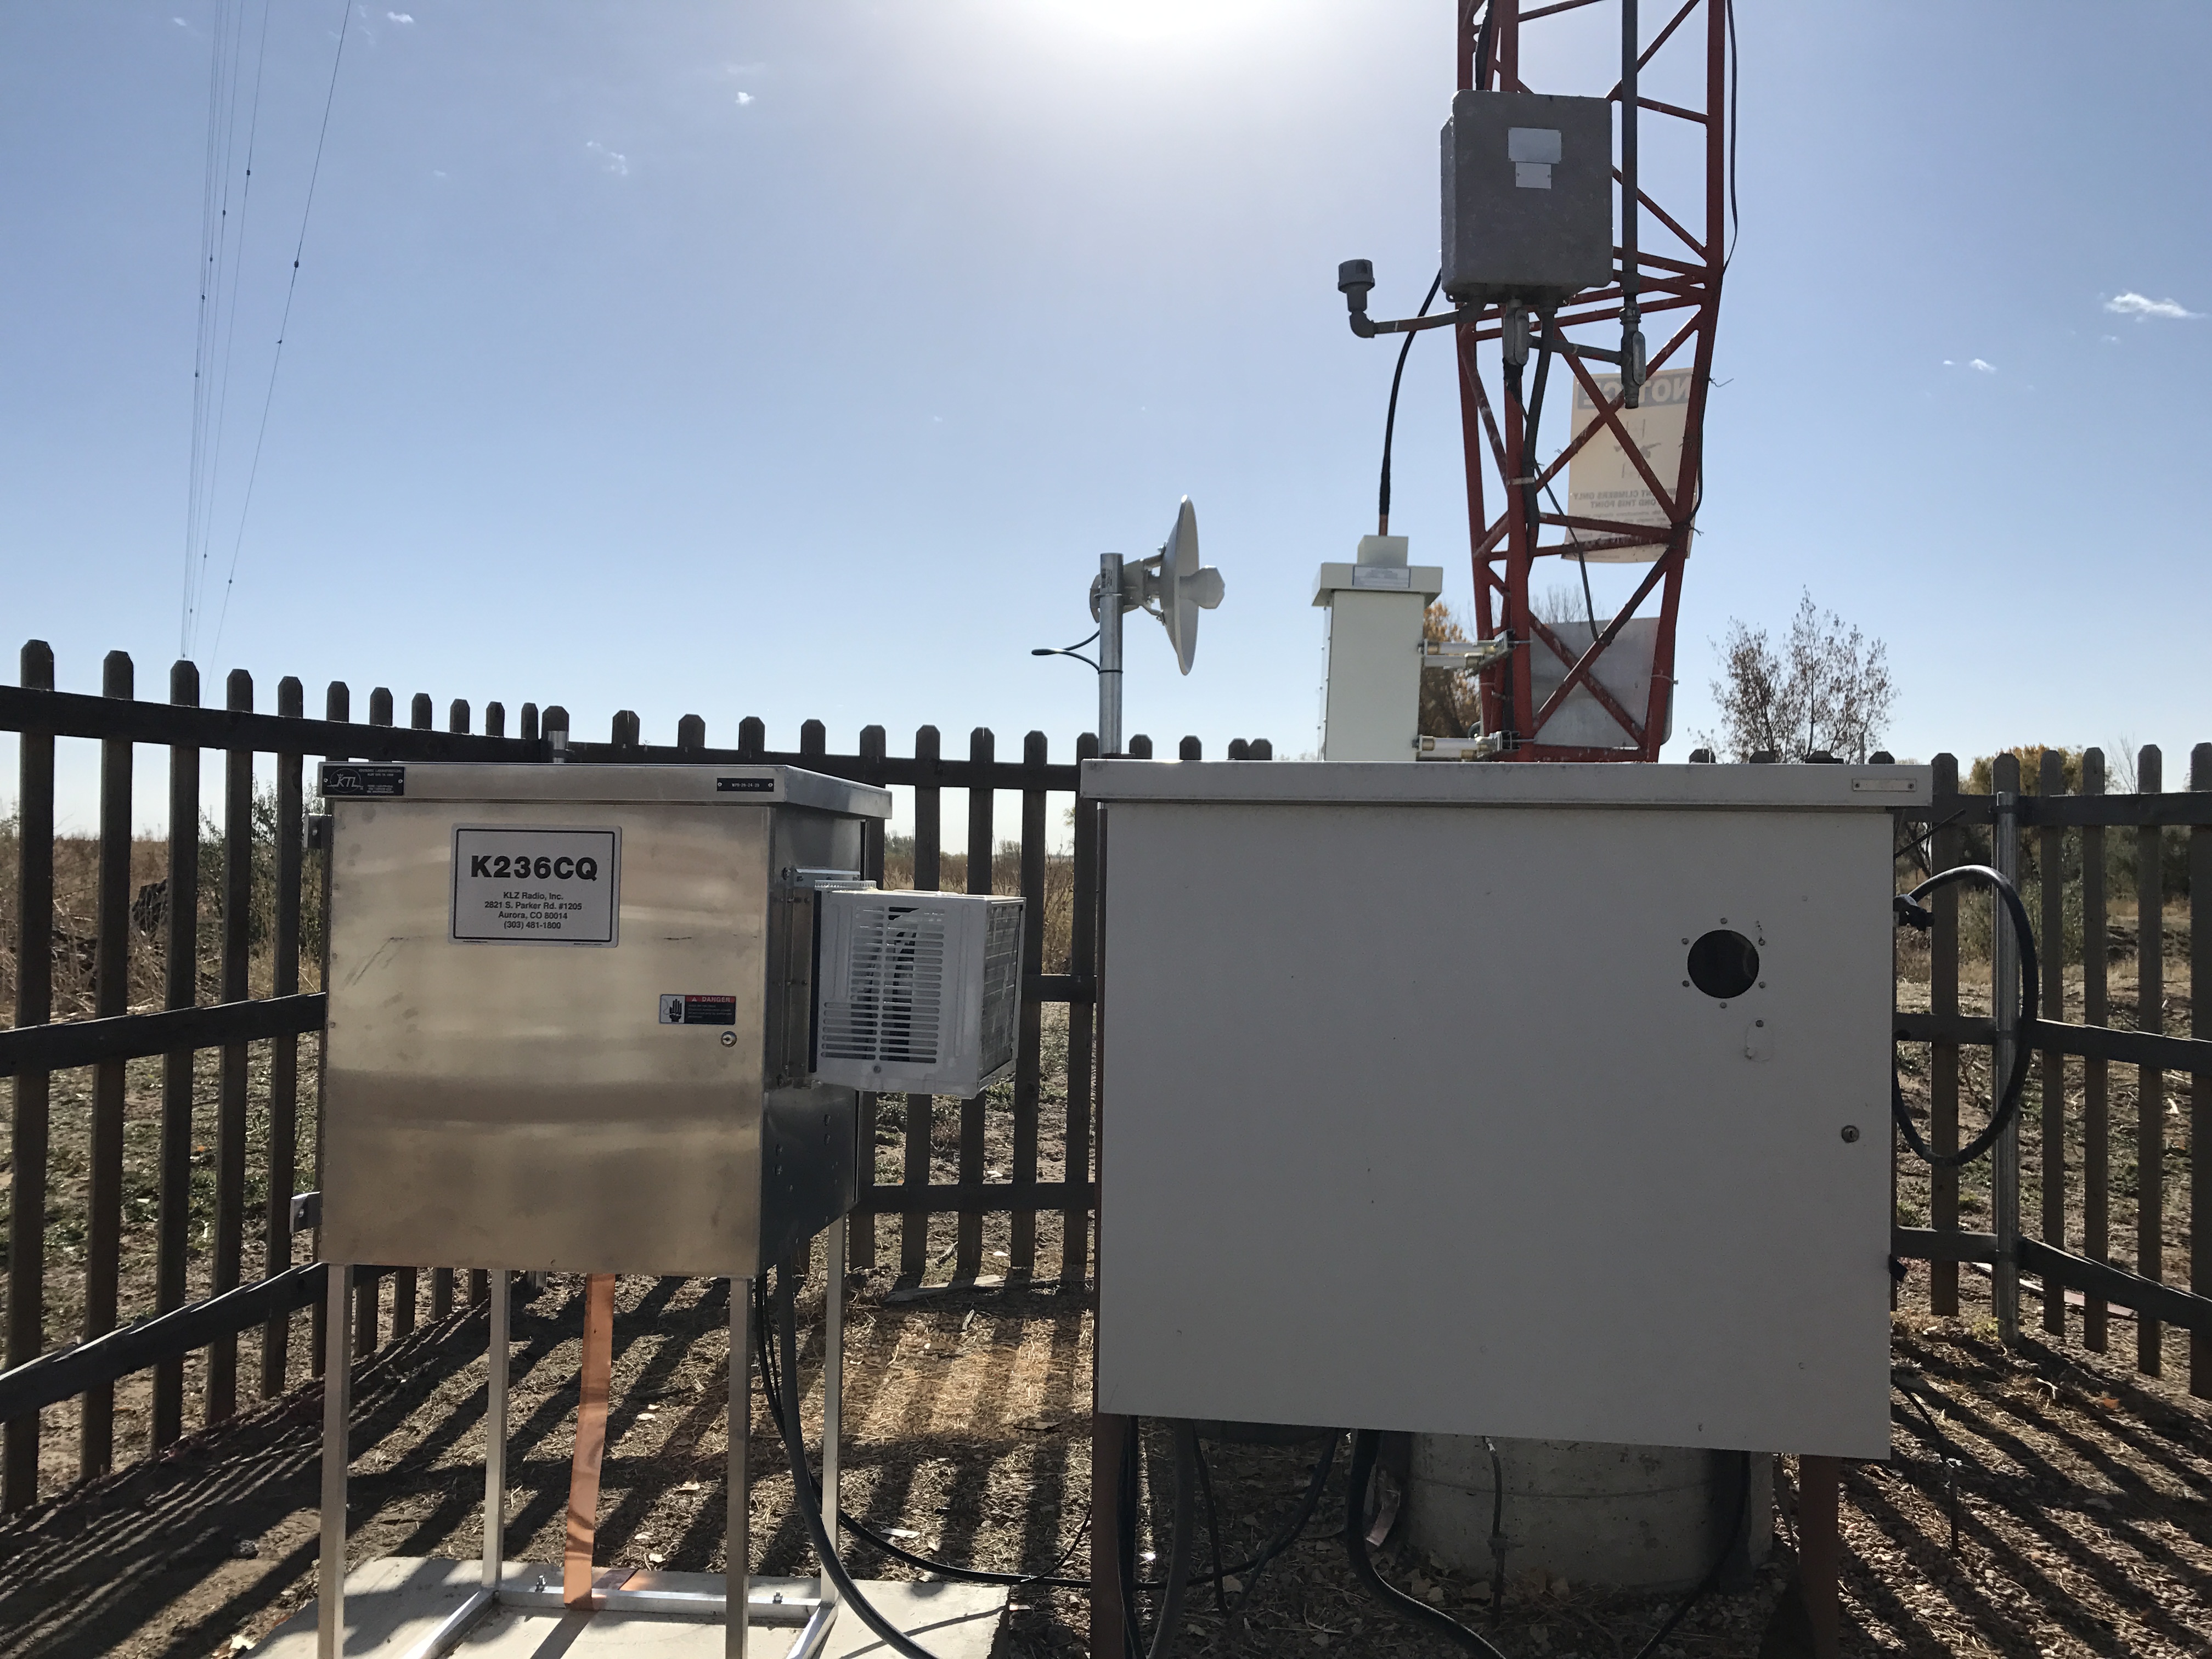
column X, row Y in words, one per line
column 1172, row 585
column 1109, row 654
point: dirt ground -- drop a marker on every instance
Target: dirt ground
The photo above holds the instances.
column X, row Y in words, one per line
column 2084, row 1494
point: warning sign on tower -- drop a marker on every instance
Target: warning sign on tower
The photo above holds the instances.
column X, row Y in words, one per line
column 1602, row 482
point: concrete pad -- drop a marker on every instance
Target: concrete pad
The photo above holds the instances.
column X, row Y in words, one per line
column 393, row 1602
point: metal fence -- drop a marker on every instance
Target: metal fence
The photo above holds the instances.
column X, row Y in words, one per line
column 2068, row 1143
column 212, row 1005
column 208, row 1003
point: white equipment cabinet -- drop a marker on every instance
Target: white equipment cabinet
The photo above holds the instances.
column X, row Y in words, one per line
column 1414, row 1119
column 1370, row 710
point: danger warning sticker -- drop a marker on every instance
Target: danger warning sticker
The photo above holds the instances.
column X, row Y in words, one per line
column 535, row 886
column 685, row 1009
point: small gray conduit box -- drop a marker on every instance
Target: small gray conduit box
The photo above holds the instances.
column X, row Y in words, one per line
column 571, row 1015
column 1544, row 1101
column 1527, row 197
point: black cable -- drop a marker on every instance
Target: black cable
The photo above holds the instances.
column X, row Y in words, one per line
column 1482, row 47
column 1364, row 1445
column 1950, row 1463
column 1390, row 419
column 2008, row 1103
column 1212, row 1533
column 772, row 1390
column 1713, row 1573
column 803, row 1487
column 1496, row 1532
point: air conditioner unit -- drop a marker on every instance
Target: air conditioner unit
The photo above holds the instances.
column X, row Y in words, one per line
column 917, row 992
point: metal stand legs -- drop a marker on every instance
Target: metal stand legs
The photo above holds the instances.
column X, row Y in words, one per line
column 832, row 1397
column 495, row 1516
column 337, row 1377
column 647, row 1593
column 737, row 1545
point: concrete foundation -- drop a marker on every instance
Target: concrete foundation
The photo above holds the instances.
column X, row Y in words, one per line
column 1644, row 1517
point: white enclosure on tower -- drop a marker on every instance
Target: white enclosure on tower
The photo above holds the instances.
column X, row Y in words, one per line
column 1371, row 710
column 1548, row 1102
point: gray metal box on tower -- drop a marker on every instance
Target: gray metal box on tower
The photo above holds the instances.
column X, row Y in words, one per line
column 1527, row 197
column 1549, row 1102
column 570, row 1013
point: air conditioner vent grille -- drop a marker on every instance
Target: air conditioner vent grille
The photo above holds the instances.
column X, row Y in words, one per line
column 894, row 989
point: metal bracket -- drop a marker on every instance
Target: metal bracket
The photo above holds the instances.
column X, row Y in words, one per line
column 307, row 1211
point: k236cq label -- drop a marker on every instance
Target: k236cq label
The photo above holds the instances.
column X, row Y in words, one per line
column 519, row 886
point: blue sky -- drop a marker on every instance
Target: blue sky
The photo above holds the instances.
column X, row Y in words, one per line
column 799, row 359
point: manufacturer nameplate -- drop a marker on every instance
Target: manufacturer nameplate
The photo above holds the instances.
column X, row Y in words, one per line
column 354, row 781
column 1381, row 576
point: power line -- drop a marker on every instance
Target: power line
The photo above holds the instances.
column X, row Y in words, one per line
column 226, row 323
column 215, row 165
column 284, row 323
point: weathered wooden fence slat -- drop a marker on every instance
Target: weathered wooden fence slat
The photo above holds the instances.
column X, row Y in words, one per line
column 1029, row 1056
column 967, row 1254
column 1943, row 1002
column 2200, row 1082
column 2150, row 1085
column 180, row 989
column 28, row 1133
column 2051, row 876
column 103, row 1252
column 2096, row 1079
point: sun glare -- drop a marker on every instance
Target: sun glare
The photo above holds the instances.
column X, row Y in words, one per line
column 1159, row 21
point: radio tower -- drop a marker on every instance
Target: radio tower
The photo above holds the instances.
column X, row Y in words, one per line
column 1675, row 285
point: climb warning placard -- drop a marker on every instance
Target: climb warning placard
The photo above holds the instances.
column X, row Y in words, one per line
column 519, row 886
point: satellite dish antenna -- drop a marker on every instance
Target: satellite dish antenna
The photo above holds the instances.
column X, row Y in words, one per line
column 1172, row 585
column 1183, row 586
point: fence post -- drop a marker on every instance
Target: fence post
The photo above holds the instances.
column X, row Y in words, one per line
column 1083, row 968
column 1943, row 1056
column 860, row 1225
column 284, row 1053
column 103, row 1252
column 2050, row 856
column 2150, row 1092
column 27, row 1138
column 2200, row 1082
column 1029, row 1052
column 752, row 738
column 441, row 1278
column 494, row 720
column 983, row 752
column 2004, row 1012
column 813, row 740
column 1191, row 748
column 920, row 1109
column 692, row 732
column 222, row 1381
column 337, row 706
column 2096, row 1128
column 180, row 976
column 368, row 1285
